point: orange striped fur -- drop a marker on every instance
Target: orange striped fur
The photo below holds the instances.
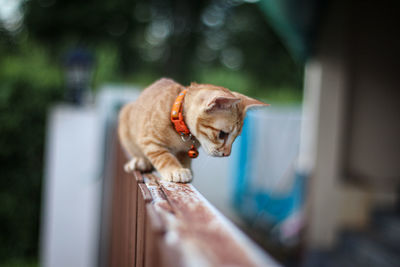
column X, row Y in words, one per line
column 147, row 134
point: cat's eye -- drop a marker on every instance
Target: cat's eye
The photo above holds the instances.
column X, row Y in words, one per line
column 222, row 135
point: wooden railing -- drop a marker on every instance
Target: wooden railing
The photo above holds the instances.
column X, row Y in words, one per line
column 156, row 223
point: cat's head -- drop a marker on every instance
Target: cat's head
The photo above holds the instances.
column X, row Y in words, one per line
column 217, row 117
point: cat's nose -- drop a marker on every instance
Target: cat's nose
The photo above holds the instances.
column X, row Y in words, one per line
column 226, row 152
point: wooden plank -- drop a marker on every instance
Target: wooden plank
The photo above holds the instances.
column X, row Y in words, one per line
column 166, row 253
column 205, row 237
column 138, row 176
column 125, row 213
column 115, row 248
column 132, row 221
column 154, row 234
column 145, row 193
column 144, row 197
column 140, row 230
column 156, row 223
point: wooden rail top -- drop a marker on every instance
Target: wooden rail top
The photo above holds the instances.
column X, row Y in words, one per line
column 183, row 229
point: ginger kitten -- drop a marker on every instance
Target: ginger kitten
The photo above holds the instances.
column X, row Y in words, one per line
column 213, row 114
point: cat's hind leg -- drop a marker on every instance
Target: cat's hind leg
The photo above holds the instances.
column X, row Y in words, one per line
column 138, row 161
column 138, row 164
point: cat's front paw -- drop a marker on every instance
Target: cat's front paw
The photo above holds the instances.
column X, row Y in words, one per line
column 181, row 175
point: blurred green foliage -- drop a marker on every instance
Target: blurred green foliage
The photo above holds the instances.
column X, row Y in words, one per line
column 21, row 262
column 139, row 41
column 29, row 82
column 224, row 42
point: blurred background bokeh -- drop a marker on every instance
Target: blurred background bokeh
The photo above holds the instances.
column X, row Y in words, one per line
column 343, row 146
column 228, row 43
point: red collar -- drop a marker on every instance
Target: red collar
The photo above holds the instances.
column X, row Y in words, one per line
column 176, row 115
column 179, row 123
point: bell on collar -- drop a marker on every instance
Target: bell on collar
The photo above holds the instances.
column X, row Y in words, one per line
column 193, row 153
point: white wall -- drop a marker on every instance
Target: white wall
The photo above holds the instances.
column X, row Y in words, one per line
column 73, row 232
column 72, row 187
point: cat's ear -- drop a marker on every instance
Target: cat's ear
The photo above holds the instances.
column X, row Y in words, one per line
column 221, row 103
column 248, row 102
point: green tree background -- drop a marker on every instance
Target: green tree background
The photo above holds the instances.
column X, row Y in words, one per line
column 225, row 42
